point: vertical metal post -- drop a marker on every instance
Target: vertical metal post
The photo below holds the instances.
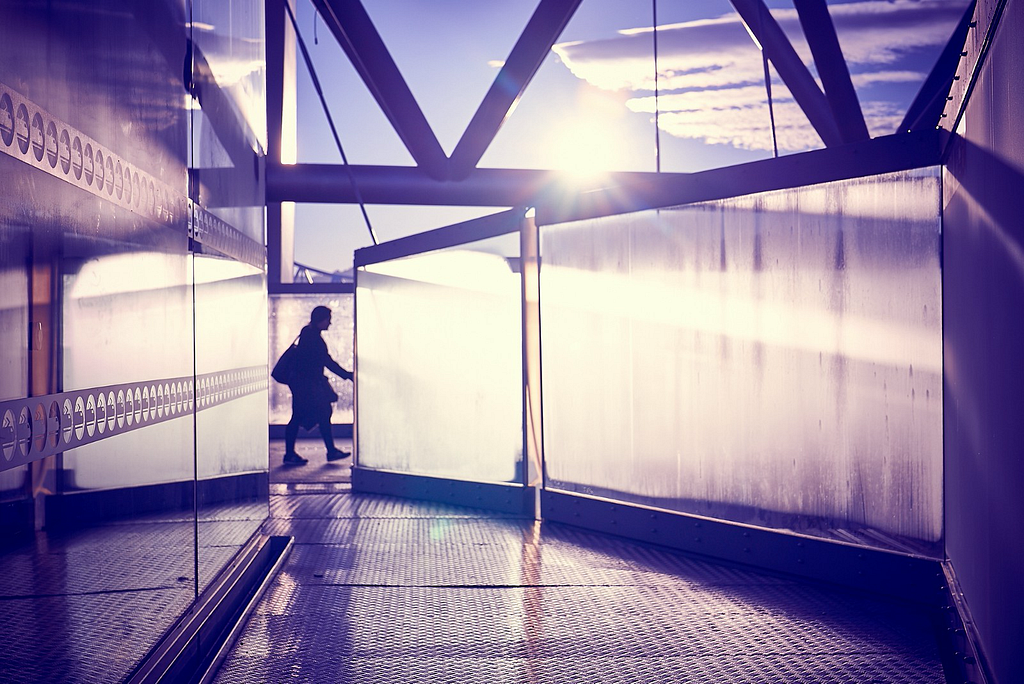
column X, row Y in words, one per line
column 533, row 440
column 44, row 358
column 657, row 106
column 281, row 139
column 355, row 367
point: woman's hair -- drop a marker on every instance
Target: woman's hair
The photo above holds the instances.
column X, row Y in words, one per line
column 319, row 313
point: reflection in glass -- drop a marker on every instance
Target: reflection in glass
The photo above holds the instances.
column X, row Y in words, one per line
column 773, row 359
column 231, row 37
column 440, row 363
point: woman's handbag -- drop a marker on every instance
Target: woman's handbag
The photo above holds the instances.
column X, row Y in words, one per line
column 284, row 369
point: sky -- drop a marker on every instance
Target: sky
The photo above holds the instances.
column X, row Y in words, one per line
column 592, row 103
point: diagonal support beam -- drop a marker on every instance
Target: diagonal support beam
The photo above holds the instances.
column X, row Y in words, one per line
column 526, row 57
column 358, row 37
column 798, row 79
column 926, row 109
column 835, row 75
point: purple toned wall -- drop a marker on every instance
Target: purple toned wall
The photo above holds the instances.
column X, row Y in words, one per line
column 983, row 286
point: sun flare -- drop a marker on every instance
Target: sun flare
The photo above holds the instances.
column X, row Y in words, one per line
column 585, row 149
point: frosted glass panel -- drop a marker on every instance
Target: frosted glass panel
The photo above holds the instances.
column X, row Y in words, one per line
column 288, row 314
column 440, row 363
column 128, row 318
column 773, row 359
column 14, row 324
column 231, row 437
column 231, row 315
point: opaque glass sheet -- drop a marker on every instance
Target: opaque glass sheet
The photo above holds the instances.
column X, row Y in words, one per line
column 288, row 314
column 231, row 334
column 773, row 359
column 128, row 317
column 13, row 324
column 440, row 363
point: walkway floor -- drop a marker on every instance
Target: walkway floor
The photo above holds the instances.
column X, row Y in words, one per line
column 380, row 589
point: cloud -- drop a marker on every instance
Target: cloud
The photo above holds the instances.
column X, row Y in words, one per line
column 711, row 77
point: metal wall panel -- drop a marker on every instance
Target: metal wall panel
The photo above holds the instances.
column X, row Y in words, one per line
column 983, row 335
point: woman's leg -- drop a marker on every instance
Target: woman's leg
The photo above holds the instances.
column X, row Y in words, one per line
column 324, row 423
column 291, row 432
column 333, row 454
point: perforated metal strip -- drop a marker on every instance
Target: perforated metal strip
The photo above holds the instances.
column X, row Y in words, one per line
column 32, row 135
column 36, row 427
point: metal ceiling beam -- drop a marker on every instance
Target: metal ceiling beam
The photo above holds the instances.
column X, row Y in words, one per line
column 358, row 37
column 330, row 184
column 526, row 57
column 928, row 105
column 835, row 75
column 798, row 79
column 616, row 193
column 885, row 154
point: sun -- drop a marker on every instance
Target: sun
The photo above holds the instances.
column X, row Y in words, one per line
column 585, row 149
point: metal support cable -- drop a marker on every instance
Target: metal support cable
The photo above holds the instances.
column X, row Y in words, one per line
column 771, row 106
column 657, row 125
column 768, row 89
column 330, row 119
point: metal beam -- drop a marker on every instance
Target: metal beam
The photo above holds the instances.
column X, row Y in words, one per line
column 526, row 57
column 281, row 90
column 619, row 192
column 358, row 37
column 330, row 184
column 493, row 225
column 798, row 79
column 886, row 154
column 927, row 107
column 281, row 134
column 832, row 68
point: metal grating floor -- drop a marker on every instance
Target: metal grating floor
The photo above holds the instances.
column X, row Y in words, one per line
column 379, row 589
column 87, row 605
